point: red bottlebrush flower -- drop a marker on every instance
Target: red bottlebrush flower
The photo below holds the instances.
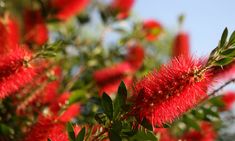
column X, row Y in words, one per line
column 135, row 57
column 228, row 99
column 68, row 8
column 152, row 29
column 9, row 36
column 14, row 74
column 35, row 27
column 161, row 97
column 48, row 128
column 181, row 45
column 122, row 7
column 207, row 133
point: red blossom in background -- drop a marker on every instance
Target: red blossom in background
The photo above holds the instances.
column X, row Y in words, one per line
column 181, row 45
column 65, row 9
column 165, row 95
column 35, row 27
column 228, row 98
column 108, row 79
column 49, row 128
column 152, row 29
column 14, row 72
column 122, row 7
column 207, row 133
column 9, row 35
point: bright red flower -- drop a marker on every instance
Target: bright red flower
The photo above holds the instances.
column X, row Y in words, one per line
column 122, row 7
column 14, row 74
column 108, row 79
column 181, row 45
column 152, row 29
column 68, row 8
column 207, row 133
column 35, row 27
column 9, row 36
column 49, row 128
column 163, row 96
column 228, row 99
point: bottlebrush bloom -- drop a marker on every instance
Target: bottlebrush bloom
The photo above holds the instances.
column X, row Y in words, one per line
column 35, row 27
column 14, row 74
column 65, row 9
column 122, row 7
column 49, row 128
column 162, row 96
column 207, row 133
column 9, row 36
column 181, row 45
column 152, row 29
column 228, row 99
column 108, row 79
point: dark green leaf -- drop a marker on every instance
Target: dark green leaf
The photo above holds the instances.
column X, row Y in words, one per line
column 224, row 37
column 81, row 135
column 190, row 121
column 107, row 105
column 223, row 61
column 113, row 136
column 70, row 132
column 117, row 126
column 144, row 136
column 210, row 112
column 229, row 52
column 48, row 139
column 5, row 130
column 232, row 38
column 120, row 100
column 146, row 124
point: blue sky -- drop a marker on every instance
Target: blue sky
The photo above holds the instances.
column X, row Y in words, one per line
column 205, row 19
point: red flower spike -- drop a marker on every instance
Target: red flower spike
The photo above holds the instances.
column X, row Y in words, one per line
column 47, row 127
column 14, row 74
column 161, row 97
column 34, row 23
column 152, row 29
column 228, row 99
column 13, row 32
column 68, row 8
column 207, row 133
column 181, row 45
column 135, row 57
column 123, row 7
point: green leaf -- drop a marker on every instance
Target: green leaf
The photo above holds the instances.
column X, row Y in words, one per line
column 70, row 132
column 5, row 130
column 48, row 139
column 229, row 52
column 117, row 126
column 113, row 136
column 101, row 118
column 146, row 124
column 223, row 61
column 224, row 37
column 232, row 38
column 81, row 135
column 76, row 95
column 190, row 121
column 144, row 136
column 120, row 100
column 107, row 105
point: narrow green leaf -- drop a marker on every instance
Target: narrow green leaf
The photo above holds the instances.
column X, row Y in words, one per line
column 223, row 61
column 144, row 136
column 120, row 100
column 190, row 121
column 70, row 132
column 146, row 124
column 224, row 37
column 107, row 105
column 232, row 38
column 101, row 118
column 113, row 136
column 117, row 126
column 81, row 135
column 229, row 52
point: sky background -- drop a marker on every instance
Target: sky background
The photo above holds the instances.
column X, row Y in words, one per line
column 205, row 19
